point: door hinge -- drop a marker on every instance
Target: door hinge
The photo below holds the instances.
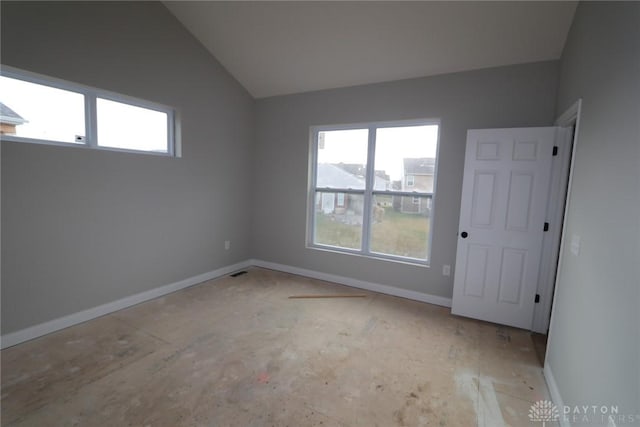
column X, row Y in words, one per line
column 546, row 226
column 555, row 151
column 537, row 300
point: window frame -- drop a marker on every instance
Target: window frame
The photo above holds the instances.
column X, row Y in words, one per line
column 91, row 95
column 368, row 192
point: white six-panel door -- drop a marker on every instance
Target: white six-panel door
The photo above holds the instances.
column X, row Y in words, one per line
column 504, row 200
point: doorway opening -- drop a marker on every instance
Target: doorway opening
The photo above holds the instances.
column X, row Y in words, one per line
column 568, row 130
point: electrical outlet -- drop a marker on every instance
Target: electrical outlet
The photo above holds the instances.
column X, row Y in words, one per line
column 446, row 270
column 227, row 245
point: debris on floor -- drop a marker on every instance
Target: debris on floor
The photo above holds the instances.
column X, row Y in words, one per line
column 239, row 273
column 328, row 296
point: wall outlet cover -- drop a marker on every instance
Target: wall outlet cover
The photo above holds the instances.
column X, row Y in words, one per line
column 446, row 270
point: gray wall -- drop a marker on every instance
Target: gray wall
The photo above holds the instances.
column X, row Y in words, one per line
column 85, row 227
column 522, row 95
column 594, row 348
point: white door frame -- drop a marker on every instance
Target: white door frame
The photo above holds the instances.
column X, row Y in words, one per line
column 553, row 242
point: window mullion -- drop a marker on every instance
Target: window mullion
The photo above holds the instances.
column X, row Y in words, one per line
column 171, row 140
column 311, row 228
column 368, row 192
column 91, row 120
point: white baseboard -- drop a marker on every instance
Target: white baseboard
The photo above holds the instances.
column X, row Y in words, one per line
column 45, row 328
column 555, row 394
column 369, row 286
column 54, row 325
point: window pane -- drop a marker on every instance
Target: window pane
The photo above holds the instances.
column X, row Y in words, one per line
column 342, row 159
column 36, row 111
column 134, row 128
column 400, row 226
column 338, row 220
column 406, row 157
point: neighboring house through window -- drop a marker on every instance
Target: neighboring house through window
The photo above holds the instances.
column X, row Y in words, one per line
column 9, row 119
column 421, row 171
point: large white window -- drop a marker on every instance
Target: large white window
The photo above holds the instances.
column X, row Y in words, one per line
column 40, row 109
column 372, row 188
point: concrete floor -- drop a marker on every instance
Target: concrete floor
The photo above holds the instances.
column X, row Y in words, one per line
column 238, row 352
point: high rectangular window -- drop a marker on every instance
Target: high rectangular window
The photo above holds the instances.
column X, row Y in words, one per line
column 37, row 111
column 40, row 109
column 372, row 188
column 131, row 127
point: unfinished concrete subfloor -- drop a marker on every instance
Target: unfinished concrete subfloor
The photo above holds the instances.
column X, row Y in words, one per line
column 238, row 352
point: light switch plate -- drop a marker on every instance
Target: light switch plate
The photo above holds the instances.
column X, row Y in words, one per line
column 575, row 245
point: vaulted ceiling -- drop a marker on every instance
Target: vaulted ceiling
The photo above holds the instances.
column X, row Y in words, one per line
column 276, row 48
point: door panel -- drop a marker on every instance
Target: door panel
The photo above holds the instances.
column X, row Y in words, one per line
column 476, row 270
column 504, row 199
column 511, row 275
column 519, row 201
column 483, row 198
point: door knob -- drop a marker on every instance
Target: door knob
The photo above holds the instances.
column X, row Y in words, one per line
column 464, row 234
